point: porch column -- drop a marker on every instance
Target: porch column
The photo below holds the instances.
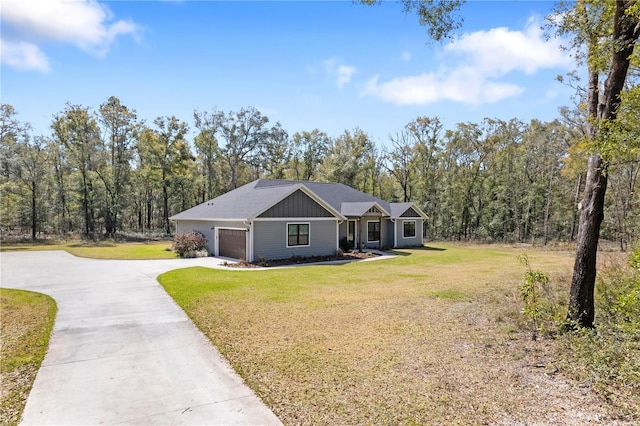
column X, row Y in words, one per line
column 381, row 232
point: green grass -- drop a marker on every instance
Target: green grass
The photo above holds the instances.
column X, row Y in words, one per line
column 26, row 322
column 432, row 336
column 101, row 249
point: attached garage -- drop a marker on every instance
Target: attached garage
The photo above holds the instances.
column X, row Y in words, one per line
column 232, row 243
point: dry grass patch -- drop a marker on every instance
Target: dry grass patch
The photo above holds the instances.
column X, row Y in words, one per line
column 26, row 320
column 430, row 337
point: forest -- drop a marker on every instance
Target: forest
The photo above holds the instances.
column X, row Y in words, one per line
column 103, row 172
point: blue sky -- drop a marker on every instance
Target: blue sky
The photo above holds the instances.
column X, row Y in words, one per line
column 331, row 65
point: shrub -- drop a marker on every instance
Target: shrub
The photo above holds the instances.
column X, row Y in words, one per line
column 190, row 244
column 345, row 245
column 607, row 357
column 536, row 295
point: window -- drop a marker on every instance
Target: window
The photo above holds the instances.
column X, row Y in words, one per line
column 297, row 234
column 409, row 229
column 373, row 231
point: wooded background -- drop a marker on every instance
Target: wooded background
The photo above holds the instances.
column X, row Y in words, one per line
column 102, row 172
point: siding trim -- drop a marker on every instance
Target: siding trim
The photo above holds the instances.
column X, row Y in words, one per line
column 211, row 219
column 303, row 219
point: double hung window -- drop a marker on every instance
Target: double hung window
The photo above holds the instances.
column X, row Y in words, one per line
column 297, row 234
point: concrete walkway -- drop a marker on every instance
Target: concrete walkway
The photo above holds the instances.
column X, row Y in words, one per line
column 122, row 352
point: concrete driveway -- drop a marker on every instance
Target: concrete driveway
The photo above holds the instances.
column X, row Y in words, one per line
column 122, row 351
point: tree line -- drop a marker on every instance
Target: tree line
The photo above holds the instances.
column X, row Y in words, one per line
column 103, row 172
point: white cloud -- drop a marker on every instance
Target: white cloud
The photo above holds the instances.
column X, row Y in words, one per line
column 406, row 56
column 86, row 24
column 344, row 75
column 488, row 56
column 429, row 88
column 500, row 50
column 23, row 56
column 341, row 73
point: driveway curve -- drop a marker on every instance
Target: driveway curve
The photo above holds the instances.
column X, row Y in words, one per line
column 122, row 351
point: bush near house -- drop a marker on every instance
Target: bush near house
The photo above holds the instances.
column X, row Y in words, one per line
column 190, row 244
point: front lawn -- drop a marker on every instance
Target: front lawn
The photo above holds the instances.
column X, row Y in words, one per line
column 101, row 249
column 26, row 320
column 433, row 336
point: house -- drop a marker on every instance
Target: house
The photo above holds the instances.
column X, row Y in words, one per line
column 278, row 219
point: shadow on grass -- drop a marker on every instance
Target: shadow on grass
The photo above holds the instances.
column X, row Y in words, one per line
column 425, row 248
column 29, row 242
column 12, row 248
column 89, row 244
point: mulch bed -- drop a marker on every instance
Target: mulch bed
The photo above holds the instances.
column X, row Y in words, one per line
column 297, row 260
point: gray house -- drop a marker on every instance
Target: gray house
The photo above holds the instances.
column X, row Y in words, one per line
column 278, row 219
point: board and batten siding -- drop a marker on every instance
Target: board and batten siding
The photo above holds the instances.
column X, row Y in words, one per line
column 297, row 204
column 270, row 238
column 207, row 228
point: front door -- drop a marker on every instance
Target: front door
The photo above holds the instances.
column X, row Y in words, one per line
column 352, row 236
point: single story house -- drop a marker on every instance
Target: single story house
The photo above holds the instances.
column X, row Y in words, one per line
column 279, row 219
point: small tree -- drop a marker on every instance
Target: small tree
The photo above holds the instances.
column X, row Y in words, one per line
column 534, row 284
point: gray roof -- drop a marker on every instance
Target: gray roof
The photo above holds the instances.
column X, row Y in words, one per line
column 358, row 208
column 252, row 199
column 398, row 208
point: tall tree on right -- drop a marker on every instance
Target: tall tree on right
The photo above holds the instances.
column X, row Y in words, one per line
column 604, row 36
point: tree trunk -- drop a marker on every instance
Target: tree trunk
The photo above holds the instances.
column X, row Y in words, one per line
column 581, row 305
column 626, row 30
column 547, row 208
column 165, row 210
column 34, row 212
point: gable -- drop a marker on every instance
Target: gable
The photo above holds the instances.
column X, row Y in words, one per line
column 410, row 213
column 297, row 204
column 374, row 211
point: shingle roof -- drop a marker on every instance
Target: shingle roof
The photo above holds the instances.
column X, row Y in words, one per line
column 398, row 208
column 242, row 203
column 250, row 200
column 356, row 209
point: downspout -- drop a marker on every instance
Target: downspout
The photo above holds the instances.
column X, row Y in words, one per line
column 340, row 222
